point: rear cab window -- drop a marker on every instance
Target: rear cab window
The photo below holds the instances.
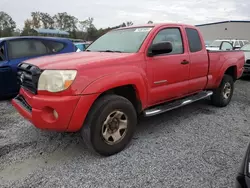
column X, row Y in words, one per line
column 22, row 48
column 54, row 46
column 194, row 40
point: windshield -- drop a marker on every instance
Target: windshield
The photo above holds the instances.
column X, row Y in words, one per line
column 246, row 47
column 123, row 40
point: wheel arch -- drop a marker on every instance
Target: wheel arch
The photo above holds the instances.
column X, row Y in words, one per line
column 130, row 85
column 229, row 68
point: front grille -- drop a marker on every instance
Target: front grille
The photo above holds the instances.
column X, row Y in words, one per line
column 28, row 76
column 23, row 102
column 248, row 61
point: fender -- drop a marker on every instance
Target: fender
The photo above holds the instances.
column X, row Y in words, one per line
column 120, row 79
column 228, row 63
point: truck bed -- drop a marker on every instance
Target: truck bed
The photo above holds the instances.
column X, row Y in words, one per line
column 219, row 59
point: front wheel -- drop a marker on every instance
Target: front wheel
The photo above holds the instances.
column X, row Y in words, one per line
column 223, row 94
column 110, row 125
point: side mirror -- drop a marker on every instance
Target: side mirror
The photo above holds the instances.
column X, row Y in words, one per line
column 225, row 46
column 160, row 48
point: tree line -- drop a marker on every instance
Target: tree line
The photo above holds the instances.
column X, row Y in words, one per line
column 80, row 29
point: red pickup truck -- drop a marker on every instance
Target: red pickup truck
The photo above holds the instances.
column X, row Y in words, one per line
column 148, row 70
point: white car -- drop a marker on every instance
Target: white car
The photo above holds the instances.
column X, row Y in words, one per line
column 237, row 44
column 246, row 50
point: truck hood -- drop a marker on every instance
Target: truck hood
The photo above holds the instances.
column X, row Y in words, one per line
column 76, row 60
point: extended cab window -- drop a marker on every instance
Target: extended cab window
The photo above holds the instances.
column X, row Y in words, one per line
column 26, row 48
column 2, row 52
column 121, row 40
column 54, row 46
column 172, row 35
column 194, row 40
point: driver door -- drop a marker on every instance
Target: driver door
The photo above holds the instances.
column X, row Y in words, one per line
column 169, row 73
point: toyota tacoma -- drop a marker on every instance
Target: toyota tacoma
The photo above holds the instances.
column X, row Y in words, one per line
column 127, row 72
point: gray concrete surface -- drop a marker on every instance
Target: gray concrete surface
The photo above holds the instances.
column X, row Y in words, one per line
column 197, row 146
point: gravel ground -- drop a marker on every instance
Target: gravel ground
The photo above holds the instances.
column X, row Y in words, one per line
column 197, row 146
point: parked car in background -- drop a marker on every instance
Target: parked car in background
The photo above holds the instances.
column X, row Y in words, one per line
column 246, row 50
column 14, row 50
column 148, row 70
column 81, row 46
column 237, row 44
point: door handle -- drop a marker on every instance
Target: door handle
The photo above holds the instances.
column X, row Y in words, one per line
column 184, row 62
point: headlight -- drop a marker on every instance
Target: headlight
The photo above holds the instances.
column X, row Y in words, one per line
column 56, row 80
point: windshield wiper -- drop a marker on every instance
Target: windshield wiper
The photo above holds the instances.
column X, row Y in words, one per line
column 110, row 51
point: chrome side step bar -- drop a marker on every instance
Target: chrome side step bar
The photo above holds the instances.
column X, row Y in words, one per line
column 176, row 104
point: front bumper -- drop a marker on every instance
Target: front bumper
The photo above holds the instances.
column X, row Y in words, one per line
column 59, row 113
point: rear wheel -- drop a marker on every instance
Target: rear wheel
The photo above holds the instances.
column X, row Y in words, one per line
column 110, row 125
column 223, row 94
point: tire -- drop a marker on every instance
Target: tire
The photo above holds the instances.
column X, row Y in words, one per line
column 93, row 129
column 218, row 98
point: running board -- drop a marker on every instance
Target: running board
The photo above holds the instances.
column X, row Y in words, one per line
column 176, row 104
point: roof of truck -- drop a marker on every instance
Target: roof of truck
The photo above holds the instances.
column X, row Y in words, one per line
column 156, row 25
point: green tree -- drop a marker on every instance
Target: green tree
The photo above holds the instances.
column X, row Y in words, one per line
column 126, row 24
column 91, row 31
column 36, row 20
column 90, row 21
column 83, row 25
column 28, row 24
column 83, row 28
column 17, row 32
column 59, row 20
column 129, row 23
column 47, row 20
column 7, row 24
column 66, row 22
column 123, row 24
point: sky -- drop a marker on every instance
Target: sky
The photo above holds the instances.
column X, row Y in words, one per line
column 113, row 12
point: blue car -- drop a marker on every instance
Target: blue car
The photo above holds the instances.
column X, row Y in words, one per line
column 14, row 50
